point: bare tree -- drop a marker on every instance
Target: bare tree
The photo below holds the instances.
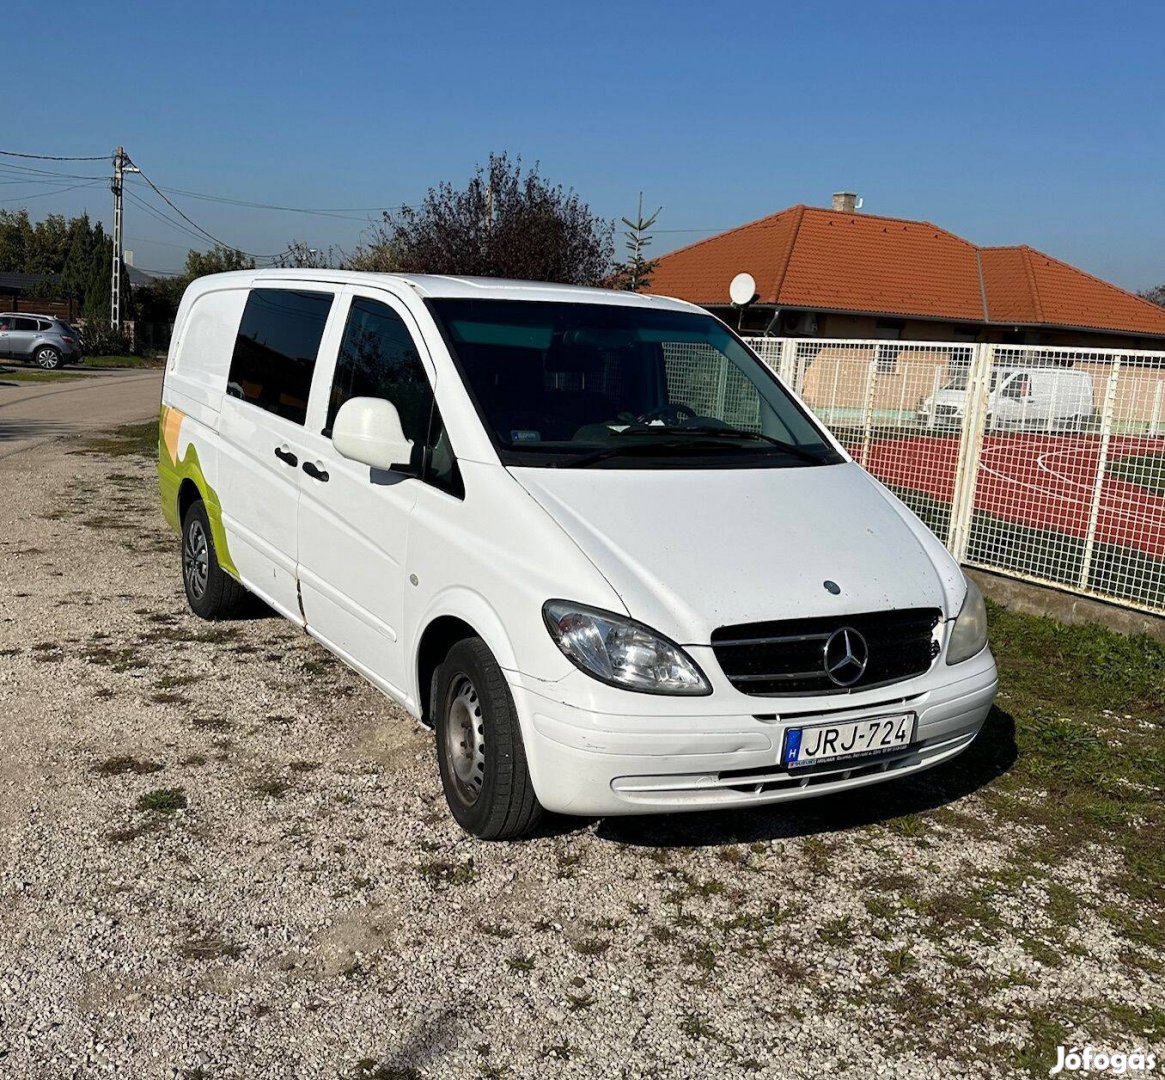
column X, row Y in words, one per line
column 505, row 222
column 300, row 255
column 1155, row 295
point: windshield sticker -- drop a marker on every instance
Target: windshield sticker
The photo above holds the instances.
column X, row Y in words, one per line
column 525, row 436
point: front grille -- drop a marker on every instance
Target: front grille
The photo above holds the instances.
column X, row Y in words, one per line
column 787, row 657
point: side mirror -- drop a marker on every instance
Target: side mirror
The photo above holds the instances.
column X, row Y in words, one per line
column 368, row 430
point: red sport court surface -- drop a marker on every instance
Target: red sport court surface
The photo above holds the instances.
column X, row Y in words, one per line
column 1037, row 481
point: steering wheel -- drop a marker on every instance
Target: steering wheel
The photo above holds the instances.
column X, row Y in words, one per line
column 673, row 412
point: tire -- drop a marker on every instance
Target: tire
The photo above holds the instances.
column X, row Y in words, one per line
column 48, row 358
column 479, row 747
column 210, row 591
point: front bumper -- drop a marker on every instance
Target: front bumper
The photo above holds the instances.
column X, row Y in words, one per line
column 601, row 763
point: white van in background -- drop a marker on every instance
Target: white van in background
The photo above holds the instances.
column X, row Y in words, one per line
column 587, row 536
column 1030, row 398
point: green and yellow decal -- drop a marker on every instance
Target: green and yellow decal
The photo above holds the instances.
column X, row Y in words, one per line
column 174, row 471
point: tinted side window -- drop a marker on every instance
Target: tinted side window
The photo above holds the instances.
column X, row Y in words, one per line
column 379, row 359
column 276, row 348
column 24, row 324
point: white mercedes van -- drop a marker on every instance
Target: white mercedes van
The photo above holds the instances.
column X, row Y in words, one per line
column 587, row 536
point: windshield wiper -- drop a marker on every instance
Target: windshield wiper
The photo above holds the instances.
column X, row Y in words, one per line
column 635, row 449
column 706, row 430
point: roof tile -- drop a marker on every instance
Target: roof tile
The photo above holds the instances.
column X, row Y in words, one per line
column 805, row 257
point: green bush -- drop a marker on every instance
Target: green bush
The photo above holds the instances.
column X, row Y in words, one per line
column 105, row 341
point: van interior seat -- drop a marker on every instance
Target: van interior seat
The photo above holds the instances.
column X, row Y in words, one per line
column 517, row 386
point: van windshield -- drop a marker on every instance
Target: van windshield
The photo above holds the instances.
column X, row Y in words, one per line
column 616, row 386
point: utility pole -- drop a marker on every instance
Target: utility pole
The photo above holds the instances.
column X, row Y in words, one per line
column 115, row 270
column 121, row 165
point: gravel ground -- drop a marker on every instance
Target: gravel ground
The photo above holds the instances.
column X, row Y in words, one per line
column 225, row 855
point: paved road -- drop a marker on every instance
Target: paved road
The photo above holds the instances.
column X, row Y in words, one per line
column 32, row 414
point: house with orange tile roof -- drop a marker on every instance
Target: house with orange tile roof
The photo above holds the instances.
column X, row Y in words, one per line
column 839, row 273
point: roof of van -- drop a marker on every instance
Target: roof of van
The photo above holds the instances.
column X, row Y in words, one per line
column 440, row 285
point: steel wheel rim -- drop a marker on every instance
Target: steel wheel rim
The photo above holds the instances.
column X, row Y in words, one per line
column 195, row 560
column 46, row 358
column 465, row 739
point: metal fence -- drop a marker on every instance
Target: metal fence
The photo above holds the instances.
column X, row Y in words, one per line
column 1042, row 463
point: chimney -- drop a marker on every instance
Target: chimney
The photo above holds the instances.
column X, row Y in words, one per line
column 846, row 201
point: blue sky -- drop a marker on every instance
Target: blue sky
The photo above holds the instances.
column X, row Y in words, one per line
column 1006, row 122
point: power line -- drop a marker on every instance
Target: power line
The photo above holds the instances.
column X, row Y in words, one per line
column 210, row 236
column 54, row 157
column 322, row 211
column 42, row 194
column 29, row 170
column 158, row 215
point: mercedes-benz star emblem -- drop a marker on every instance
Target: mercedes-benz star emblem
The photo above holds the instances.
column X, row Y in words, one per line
column 846, row 656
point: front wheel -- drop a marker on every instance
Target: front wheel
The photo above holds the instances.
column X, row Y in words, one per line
column 47, row 358
column 479, row 747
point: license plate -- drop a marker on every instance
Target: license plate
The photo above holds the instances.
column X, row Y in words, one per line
column 848, row 741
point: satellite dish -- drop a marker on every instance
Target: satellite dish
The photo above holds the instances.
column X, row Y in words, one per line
column 742, row 289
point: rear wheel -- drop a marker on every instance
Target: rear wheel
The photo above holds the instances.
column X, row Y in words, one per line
column 48, row 358
column 210, row 591
column 479, row 747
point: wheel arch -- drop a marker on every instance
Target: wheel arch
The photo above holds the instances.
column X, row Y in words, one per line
column 456, row 615
column 188, row 494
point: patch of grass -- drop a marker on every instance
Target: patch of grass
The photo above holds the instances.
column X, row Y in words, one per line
column 591, row 946
column 163, row 800
column 116, row 659
column 578, row 1002
column 372, row 1069
column 495, row 930
column 697, row 1026
column 132, row 832
column 899, row 961
column 173, row 682
column 126, row 763
column 441, row 872
column 272, row 788
column 124, row 361
column 210, row 947
column 1089, row 709
column 839, row 931
column 129, row 440
column 520, row 962
column 27, row 375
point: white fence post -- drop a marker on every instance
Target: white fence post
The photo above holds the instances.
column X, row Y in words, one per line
column 1154, row 423
column 1101, row 469
column 970, row 449
column 787, row 365
column 868, row 411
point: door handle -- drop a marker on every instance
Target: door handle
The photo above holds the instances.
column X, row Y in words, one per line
column 315, row 472
column 286, row 456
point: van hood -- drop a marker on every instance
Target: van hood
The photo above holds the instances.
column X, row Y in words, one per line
column 688, row 550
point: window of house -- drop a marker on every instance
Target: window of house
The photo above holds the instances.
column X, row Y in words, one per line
column 276, row 348
column 891, row 330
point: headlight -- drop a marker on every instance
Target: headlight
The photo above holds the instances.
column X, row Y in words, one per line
column 969, row 635
column 618, row 651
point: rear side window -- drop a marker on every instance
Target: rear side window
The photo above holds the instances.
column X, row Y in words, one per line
column 378, row 358
column 276, row 348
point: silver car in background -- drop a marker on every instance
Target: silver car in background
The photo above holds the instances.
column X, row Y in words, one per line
column 44, row 340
